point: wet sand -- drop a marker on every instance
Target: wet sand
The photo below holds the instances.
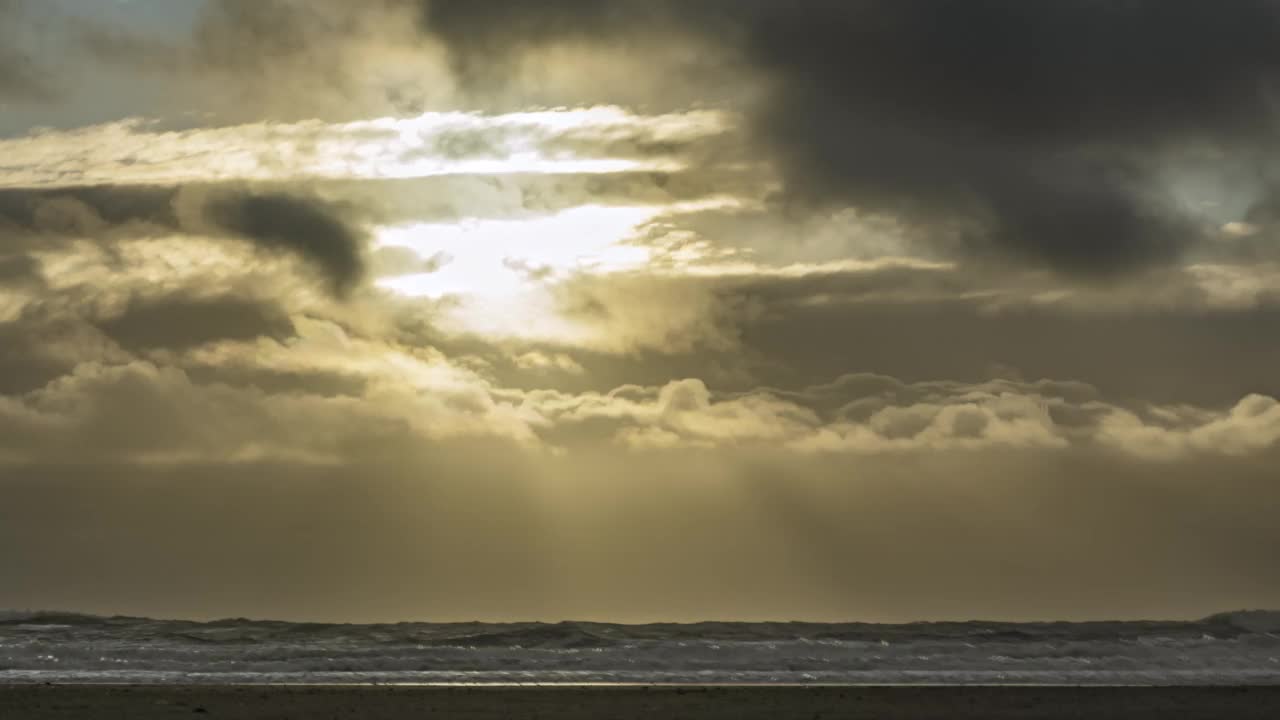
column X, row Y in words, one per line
column 301, row 702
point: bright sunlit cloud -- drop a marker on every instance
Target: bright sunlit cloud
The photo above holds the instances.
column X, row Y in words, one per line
column 496, row 257
column 497, row 269
column 433, row 143
column 498, row 272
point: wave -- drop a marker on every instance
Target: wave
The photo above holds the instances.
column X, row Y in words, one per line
column 41, row 646
column 1264, row 621
column 535, row 635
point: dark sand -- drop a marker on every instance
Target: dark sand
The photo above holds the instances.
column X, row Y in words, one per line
column 134, row 702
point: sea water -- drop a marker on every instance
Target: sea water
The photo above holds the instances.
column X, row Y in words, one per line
column 1234, row 648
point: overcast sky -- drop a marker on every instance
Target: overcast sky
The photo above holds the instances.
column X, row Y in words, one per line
column 638, row 310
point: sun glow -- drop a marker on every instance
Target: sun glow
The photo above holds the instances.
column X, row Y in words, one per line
column 495, row 258
column 497, row 271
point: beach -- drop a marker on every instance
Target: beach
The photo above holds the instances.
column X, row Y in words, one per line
column 549, row 702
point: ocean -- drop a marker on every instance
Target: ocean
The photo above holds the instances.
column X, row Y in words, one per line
column 1229, row 649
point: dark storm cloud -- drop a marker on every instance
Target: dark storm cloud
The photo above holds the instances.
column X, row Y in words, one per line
column 1005, row 129
column 181, row 322
column 1037, row 122
column 302, row 225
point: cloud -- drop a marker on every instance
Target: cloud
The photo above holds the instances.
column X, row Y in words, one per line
column 1001, row 131
column 1251, row 425
column 871, row 415
column 1037, row 125
column 20, row 270
column 56, row 329
column 137, row 412
column 296, row 223
column 524, row 195
column 306, row 227
column 1161, row 336
column 1019, row 147
column 181, row 322
column 541, row 362
column 630, row 312
column 248, row 359
column 395, row 261
column 592, row 140
column 171, row 420
column 1163, row 357
column 283, row 59
column 39, row 347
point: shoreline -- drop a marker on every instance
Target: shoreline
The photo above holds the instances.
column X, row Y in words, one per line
column 648, row 701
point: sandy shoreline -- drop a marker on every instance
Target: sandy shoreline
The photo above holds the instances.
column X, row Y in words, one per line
column 367, row 702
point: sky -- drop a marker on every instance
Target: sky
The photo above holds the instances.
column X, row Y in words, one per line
column 640, row 310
